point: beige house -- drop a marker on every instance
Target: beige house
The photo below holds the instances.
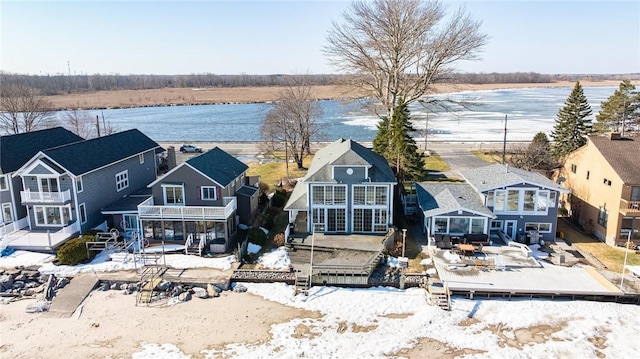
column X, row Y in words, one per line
column 604, row 179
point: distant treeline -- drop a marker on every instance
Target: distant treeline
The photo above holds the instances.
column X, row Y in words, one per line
column 64, row 84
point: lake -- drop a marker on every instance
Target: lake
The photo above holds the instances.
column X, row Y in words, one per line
column 529, row 111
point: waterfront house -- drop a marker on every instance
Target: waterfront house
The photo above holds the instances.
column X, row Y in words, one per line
column 195, row 203
column 15, row 151
column 66, row 187
column 525, row 204
column 604, row 179
column 347, row 189
column 453, row 209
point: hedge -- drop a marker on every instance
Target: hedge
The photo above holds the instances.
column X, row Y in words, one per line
column 74, row 250
column 257, row 236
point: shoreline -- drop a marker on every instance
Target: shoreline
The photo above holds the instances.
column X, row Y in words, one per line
column 166, row 97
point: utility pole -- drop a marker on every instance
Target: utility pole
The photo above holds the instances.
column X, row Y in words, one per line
column 504, row 142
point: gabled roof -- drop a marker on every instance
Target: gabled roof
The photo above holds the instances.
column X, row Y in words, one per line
column 622, row 154
column 86, row 156
column 215, row 164
column 16, row 150
column 499, row 176
column 218, row 165
column 298, row 198
column 441, row 198
column 348, row 153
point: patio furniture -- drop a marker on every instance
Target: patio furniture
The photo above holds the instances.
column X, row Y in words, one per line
column 491, row 263
column 466, row 249
column 479, row 263
column 476, row 238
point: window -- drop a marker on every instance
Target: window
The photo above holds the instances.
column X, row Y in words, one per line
column 574, row 168
column 442, row 225
column 370, row 195
column 208, row 193
column 336, row 220
column 141, row 158
column 477, row 225
column 603, row 217
column 513, row 198
column 173, row 195
column 129, row 222
column 496, row 224
column 83, row 213
column 329, row 195
column 490, row 197
column 635, row 194
column 607, row 182
column 588, row 174
column 552, row 199
column 7, row 215
column 499, row 201
column 48, row 184
column 3, row 183
column 530, row 201
column 122, row 180
column 459, row 224
column 79, row 184
column 52, row 216
column 540, row 227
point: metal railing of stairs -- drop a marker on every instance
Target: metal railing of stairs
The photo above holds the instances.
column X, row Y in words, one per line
column 150, row 277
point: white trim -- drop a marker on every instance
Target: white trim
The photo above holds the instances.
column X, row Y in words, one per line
column 123, row 182
column 82, row 209
column 193, row 168
column 60, row 223
column 4, row 179
column 2, row 217
column 141, row 158
column 538, row 226
column 215, row 193
column 79, row 180
column 164, row 194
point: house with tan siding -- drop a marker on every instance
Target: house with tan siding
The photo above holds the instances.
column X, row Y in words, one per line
column 604, row 179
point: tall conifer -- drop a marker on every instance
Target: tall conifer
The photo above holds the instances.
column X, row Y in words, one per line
column 572, row 124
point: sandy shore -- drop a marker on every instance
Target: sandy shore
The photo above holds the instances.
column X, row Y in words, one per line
column 184, row 96
column 110, row 325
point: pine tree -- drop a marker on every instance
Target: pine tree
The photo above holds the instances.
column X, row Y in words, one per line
column 621, row 111
column 572, row 125
column 394, row 142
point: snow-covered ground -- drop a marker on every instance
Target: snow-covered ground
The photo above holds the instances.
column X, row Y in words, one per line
column 381, row 322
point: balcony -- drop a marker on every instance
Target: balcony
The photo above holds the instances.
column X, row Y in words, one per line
column 28, row 197
column 148, row 211
column 629, row 207
column 40, row 240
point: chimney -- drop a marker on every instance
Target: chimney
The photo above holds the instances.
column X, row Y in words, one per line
column 615, row 136
column 171, row 157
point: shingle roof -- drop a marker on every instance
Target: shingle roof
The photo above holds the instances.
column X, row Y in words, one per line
column 218, row 165
column 499, row 176
column 85, row 156
column 16, row 150
column 439, row 198
column 623, row 155
column 348, row 153
column 246, row 191
column 298, row 198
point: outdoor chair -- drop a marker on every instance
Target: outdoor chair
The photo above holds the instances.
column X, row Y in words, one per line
column 478, row 263
column 491, row 263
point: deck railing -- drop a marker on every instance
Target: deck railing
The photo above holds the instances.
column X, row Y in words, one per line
column 45, row 197
column 148, row 211
column 630, row 206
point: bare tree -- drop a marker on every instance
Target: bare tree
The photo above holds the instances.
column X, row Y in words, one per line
column 293, row 121
column 23, row 109
column 399, row 48
column 84, row 125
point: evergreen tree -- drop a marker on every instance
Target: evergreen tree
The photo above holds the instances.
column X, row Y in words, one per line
column 621, row 111
column 394, row 142
column 572, row 125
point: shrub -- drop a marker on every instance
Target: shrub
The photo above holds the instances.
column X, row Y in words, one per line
column 257, row 236
column 75, row 250
column 267, row 222
column 279, row 199
column 91, row 232
column 279, row 239
column 281, row 221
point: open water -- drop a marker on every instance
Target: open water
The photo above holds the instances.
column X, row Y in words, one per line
column 529, row 111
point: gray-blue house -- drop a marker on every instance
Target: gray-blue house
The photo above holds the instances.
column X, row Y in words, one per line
column 15, row 151
column 66, row 187
column 196, row 203
column 348, row 189
column 519, row 203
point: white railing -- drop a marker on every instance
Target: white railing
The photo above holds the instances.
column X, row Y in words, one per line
column 41, row 240
column 187, row 212
column 8, row 228
column 45, row 197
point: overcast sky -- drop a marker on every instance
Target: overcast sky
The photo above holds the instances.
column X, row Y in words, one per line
column 286, row 37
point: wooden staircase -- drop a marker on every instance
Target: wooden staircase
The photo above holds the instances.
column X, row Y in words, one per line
column 150, row 277
column 439, row 295
column 303, row 283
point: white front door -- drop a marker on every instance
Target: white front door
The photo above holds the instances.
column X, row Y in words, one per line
column 511, row 229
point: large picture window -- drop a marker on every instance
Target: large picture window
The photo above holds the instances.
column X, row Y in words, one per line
column 173, row 195
column 52, row 216
column 328, row 195
column 540, row 227
column 370, row 195
column 521, row 200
